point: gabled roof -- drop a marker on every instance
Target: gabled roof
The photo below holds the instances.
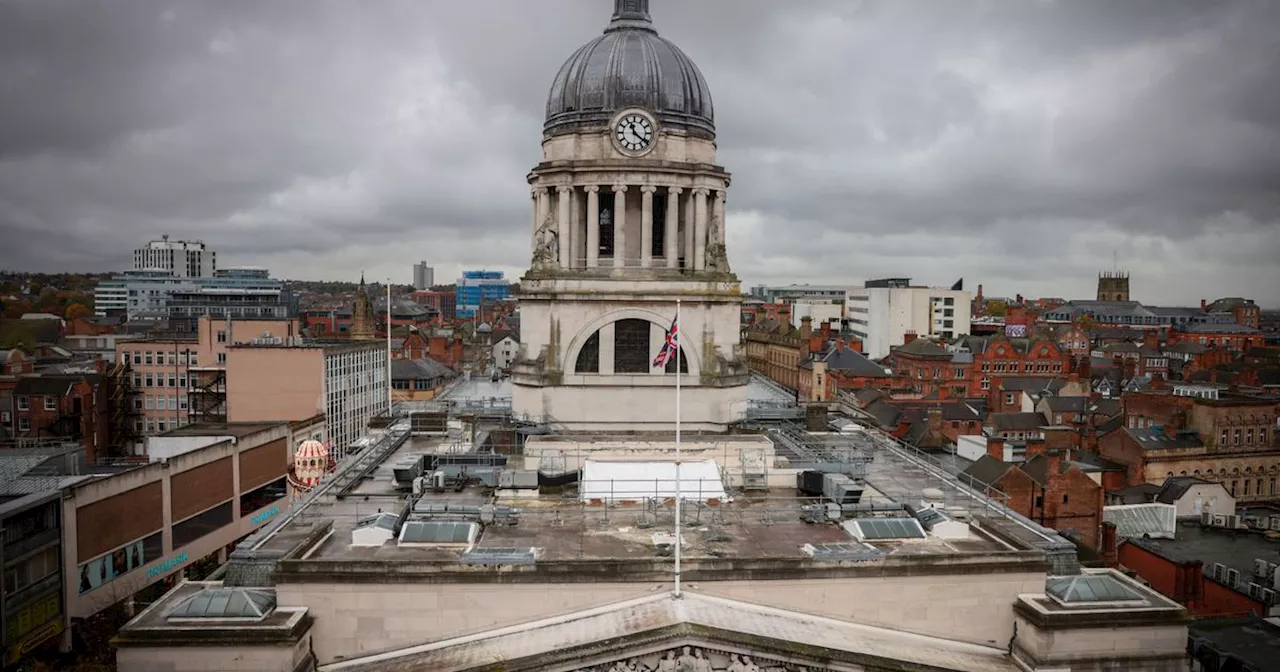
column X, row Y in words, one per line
column 1034, row 385
column 962, row 412
column 416, row 369
column 986, row 469
column 1068, row 404
column 1142, row 493
column 55, row 386
column 1005, row 422
column 1175, row 487
column 851, row 363
column 1218, row 328
column 921, row 347
column 1156, row 438
column 886, row 414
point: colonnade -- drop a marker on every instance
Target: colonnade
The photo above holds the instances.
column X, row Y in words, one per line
column 567, row 226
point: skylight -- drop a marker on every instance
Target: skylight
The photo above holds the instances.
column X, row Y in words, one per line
column 226, row 603
column 438, row 532
column 885, row 529
column 1089, row 589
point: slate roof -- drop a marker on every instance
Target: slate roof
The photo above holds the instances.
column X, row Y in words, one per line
column 1176, row 486
column 886, row 414
column 1005, row 422
column 55, row 386
column 867, row 395
column 1143, row 493
column 500, row 334
column 1107, row 407
column 1068, row 404
column 986, row 470
column 852, row 362
column 1155, row 438
column 416, row 369
column 1120, row 348
column 921, row 347
column 962, row 412
column 1039, row 385
column 1219, row 328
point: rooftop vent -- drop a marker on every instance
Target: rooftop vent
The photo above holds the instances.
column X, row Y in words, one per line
column 374, row 530
column 223, row 603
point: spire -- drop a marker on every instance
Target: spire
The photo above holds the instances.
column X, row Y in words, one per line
column 630, row 15
column 362, row 279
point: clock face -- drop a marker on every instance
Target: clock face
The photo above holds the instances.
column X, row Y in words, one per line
column 634, row 132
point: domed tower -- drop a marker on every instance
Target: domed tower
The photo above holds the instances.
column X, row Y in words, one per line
column 629, row 215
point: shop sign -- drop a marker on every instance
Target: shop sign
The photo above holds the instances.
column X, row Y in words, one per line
column 33, row 639
column 167, row 566
column 264, row 516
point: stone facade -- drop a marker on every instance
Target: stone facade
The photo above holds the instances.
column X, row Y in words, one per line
column 620, row 233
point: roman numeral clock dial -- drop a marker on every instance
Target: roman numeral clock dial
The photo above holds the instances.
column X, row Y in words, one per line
column 634, row 133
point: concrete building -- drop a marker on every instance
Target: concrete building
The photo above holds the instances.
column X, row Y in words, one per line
column 883, row 312
column 151, row 294
column 181, row 378
column 476, row 288
column 346, row 382
column 424, row 277
column 180, row 258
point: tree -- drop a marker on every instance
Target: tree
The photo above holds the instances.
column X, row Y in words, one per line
column 77, row 310
column 995, row 308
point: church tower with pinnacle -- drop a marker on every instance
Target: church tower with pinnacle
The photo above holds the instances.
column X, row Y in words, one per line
column 362, row 314
column 628, row 208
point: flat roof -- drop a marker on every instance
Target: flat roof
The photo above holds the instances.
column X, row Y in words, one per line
column 1235, row 549
column 236, row 429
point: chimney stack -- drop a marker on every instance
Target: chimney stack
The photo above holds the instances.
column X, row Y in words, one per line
column 909, row 337
column 806, row 327
column 840, row 345
column 995, row 447
column 1108, row 548
column 1204, row 305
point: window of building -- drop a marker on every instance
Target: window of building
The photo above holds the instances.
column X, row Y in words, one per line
column 1262, row 435
column 182, row 380
column 193, row 359
column 31, row 571
column 50, row 403
column 24, row 404
column 161, row 426
column 262, row 496
column 6, row 417
column 222, row 336
column 1222, row 440
column 149, row 380
column 222, row 358
column 1008, row 398
column 949, row 301
column 173, row 380
column 589, row 355
column 684, row 365
column 150, row 425
column 151, row 404
column 1236, row 437
column 631, row 346
column 137, row 357
column 1064, row 499
column 24, row 424
column 986, row 383
column 146, row 356
column 201, row 524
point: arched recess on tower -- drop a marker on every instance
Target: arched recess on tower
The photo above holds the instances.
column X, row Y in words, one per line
column 692, row 365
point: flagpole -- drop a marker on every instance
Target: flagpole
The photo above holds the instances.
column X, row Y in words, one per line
column 679, row 491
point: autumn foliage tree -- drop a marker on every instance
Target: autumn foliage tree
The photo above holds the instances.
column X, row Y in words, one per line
column 77, row 310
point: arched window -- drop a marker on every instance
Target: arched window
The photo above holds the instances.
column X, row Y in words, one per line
column 631, row 346
column 671, row 364
column 589, row 356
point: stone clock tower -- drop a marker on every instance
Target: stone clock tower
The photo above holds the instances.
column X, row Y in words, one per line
column 629, row 216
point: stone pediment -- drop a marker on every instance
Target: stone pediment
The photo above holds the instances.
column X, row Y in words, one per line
column 695, row 633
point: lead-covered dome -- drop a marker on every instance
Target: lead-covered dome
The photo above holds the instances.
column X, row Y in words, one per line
column 630, row 65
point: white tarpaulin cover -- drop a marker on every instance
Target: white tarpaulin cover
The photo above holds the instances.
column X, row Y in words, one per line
column 633, row 481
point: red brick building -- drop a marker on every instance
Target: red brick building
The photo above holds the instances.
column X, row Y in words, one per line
column 1047, row 488
column 1234, row 337
column 67, row 407
column 1176, row 573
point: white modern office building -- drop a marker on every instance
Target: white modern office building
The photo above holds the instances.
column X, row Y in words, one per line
column 181, row 258
column 884, row 311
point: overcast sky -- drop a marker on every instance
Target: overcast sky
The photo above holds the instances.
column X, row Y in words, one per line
column 1017, row 144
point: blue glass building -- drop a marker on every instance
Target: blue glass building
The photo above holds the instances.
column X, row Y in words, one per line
column 476, row 287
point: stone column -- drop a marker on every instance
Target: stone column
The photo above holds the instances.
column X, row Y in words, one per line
column 688, row 230
column 593, row 226
column 536, row 197
column 671, row 246
column 542, row 209
column 646, row 225
column 719, row 215
column 619, row 225
column 562, row 226
column 700, row 228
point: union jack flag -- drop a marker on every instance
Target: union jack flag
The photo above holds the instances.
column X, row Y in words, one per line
column 670, row 346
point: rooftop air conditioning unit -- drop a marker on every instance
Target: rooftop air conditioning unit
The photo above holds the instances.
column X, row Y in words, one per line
column 1255, row 591
column 1275, row 523
column 1219, row 520
column 1219, row 571
column 1233, row 577
column 1233, row 522
column 1268, row 596
column 1206, row 518
column 1260, row 568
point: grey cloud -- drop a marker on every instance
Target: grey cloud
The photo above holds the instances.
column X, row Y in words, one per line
column 1022, row 142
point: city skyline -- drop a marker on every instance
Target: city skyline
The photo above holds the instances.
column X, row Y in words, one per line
column 931, row 141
